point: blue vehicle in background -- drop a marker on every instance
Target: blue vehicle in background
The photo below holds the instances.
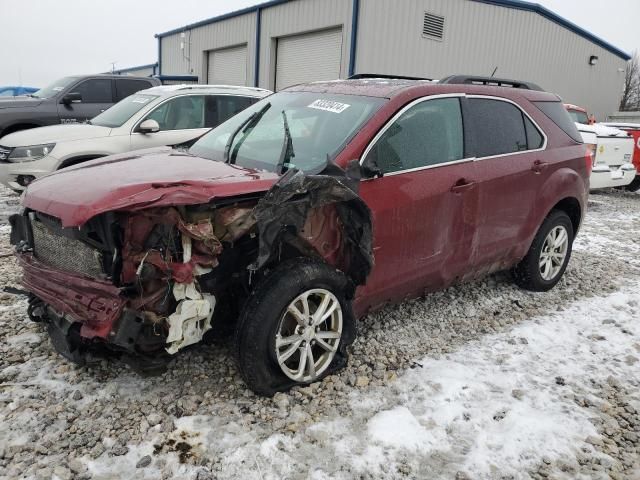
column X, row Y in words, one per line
column 10, row 91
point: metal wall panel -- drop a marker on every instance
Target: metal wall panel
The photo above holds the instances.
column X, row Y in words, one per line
column 480, row 37
column 308, row 57
column 192, row 59
column 227, row 66
column 302, row 16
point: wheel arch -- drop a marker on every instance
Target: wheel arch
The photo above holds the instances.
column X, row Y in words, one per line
column 571, row 206
column 68, row 162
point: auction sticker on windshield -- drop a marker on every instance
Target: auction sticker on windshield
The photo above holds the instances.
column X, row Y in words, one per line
column 329, row 106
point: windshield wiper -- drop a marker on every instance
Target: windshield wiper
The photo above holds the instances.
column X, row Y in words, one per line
column 250, row 122
column 287, row 152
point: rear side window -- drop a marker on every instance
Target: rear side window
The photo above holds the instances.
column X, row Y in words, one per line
column 97, row 90
column 220, row 108
column 499, row 128
column 534, row 137
column 126, row 87
column 427, row 134
column 559, row 115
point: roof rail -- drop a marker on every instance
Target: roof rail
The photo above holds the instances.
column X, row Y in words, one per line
column 490, row 81
column 360, row 76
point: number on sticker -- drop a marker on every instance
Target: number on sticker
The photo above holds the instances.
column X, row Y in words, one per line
column 329, row 106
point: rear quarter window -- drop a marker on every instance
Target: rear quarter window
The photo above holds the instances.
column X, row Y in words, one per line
column 559, row 115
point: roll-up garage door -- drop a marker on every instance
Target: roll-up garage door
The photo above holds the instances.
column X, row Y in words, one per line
column 228, row 66
column 308, row 57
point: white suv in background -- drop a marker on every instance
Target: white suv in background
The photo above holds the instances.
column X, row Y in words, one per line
column 158, row 116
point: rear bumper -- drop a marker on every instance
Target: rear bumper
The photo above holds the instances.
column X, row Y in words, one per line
column 93, row 303
column 604, row 176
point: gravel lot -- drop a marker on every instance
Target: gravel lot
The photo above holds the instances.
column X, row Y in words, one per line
column 479, row 381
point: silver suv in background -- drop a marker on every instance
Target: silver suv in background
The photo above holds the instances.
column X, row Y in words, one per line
column 158, row 116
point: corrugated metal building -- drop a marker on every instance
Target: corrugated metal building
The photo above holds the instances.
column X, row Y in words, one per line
column 283, row 42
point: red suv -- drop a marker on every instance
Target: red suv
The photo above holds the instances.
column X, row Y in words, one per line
column 299, row 215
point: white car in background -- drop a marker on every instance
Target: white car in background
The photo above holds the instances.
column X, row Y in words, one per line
column 158, row 116
column 613, row 154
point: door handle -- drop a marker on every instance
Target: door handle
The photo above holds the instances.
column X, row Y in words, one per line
column 538, row 166
column 462, row 185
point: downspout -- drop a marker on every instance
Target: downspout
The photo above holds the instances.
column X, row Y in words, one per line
column 256, row 67
column 354, row 36
column 159, row 54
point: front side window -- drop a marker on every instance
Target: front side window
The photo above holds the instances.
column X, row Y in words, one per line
column 427, row 134
column 287, row 130
column 180, row 113
column 122, row 111
column 97, row 90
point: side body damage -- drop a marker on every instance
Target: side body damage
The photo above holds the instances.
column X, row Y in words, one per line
column 147, row 283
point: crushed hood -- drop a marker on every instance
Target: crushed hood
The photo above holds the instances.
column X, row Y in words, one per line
column 54, row 134
column 135, row 180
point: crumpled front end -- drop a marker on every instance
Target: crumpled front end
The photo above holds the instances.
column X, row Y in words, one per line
column 137, row 283
column 148, row 283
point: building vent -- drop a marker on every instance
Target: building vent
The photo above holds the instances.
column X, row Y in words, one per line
column 433, row 26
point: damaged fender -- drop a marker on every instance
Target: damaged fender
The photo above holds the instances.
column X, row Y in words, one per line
column 288, row 203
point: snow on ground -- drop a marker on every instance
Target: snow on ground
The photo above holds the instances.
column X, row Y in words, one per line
column 481, row 381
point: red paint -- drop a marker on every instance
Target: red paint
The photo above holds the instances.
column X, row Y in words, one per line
column 151, row 178
column 426, row 236
column 96, row 303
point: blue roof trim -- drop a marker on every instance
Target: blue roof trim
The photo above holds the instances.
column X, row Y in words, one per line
column 139, row 67
column 517, row 4
column 224, row 16
column 563, row 22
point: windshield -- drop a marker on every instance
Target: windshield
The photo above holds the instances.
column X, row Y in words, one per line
column 288, row 129
column 579, row 117
column 122, row 111
column 53, row 89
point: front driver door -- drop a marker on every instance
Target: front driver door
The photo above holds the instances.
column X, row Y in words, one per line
column 97, row 96
column 180, row 119
column 424, row 204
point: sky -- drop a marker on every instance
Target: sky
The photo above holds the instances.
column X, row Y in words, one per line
column 42, row 40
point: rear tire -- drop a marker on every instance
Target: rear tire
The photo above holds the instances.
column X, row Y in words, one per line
column 276, row 348
column 547, row 259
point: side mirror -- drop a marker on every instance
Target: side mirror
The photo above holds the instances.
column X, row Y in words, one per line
column 369, row 167
column 148, row 126
column 72, row 97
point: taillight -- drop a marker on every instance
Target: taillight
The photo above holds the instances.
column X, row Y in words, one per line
column 590, row 156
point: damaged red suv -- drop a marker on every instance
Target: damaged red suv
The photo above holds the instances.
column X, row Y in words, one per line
column 298, row 216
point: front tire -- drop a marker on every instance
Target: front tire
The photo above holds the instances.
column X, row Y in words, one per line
column 547, row 259
column 295, row 326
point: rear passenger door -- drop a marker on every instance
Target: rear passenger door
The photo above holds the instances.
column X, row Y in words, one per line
column 97, row 96
column 424, row 204
column 510, row 170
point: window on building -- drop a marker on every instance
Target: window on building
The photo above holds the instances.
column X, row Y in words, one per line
column 429, row 133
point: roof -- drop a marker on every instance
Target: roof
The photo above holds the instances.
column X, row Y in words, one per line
column 517, row 4
column 389, row 88
column 169, row 90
